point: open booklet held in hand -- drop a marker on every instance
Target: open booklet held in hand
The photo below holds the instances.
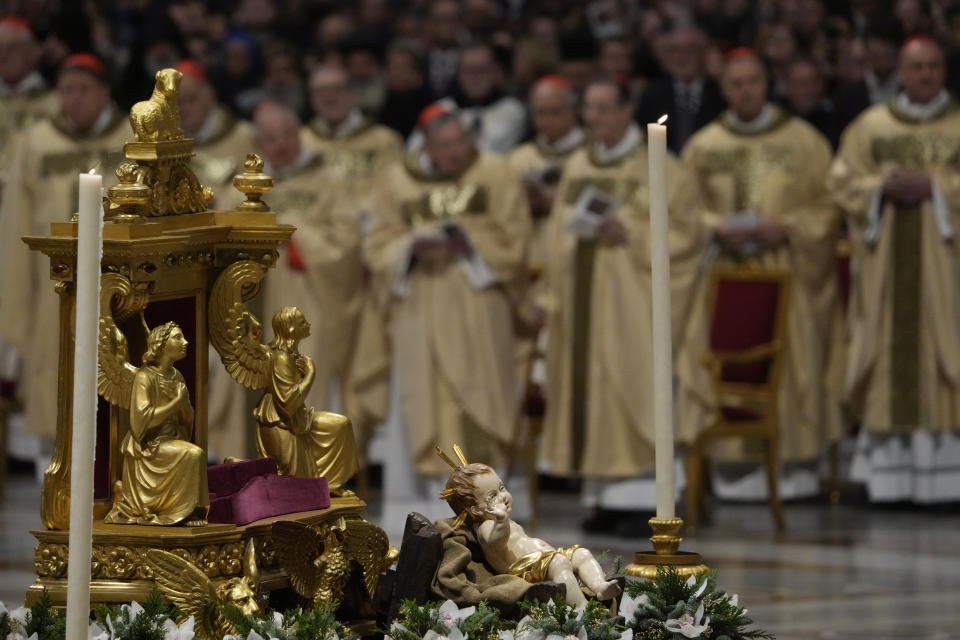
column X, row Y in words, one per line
column 591, row 208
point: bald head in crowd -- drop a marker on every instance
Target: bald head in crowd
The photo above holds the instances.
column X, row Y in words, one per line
column 744, row 84
column 277, row 135
column 922, row 70
column 553, row 106
column 197, row 97
column 331, row 97
column 18, row 51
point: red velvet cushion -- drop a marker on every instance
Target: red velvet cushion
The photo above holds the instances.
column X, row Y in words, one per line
column 744, row 316
column 226, row 479
column 270, row 495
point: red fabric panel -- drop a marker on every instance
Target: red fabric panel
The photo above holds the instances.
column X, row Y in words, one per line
column 744, row 316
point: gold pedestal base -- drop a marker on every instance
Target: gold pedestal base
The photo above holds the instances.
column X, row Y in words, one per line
column 119, row 572
column 666, row 543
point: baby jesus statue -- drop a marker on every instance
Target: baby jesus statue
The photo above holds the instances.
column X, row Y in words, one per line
column 479, row 498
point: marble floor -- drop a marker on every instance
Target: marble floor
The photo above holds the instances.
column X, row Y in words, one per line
column 838, row 572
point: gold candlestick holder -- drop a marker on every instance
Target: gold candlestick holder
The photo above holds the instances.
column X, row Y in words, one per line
column 666, row 551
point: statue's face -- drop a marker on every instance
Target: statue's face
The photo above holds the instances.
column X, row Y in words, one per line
column 176, row 345
column 237, row 592
column 301, row 328
column 170, row 82
column 490, row 493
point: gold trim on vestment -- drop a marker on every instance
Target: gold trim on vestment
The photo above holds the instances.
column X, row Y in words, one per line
column 584, row 260
column 905, row 343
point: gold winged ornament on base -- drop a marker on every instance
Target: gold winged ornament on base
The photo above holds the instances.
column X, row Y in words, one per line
column 319, row 560
column 164, row 475
column 304, row 442
column 193, row 593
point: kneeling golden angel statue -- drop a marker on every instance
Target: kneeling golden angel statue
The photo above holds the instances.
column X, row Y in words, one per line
column 164, row 477
column 304, row 442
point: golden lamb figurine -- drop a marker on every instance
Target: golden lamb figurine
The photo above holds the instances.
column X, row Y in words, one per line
column 158, row 119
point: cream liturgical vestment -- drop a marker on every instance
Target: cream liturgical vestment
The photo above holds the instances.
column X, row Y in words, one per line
column 903, row 376
column 450, row 318
column 20, row 105
column 357, row 152
column 770, row 170
column 221, row 145
column 540, row 164
column 599, row 420
column 45, row 160
column 319, row 271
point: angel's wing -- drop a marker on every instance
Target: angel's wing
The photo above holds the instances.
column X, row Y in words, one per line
column 188, row 588
column 115, row 374
column 298, row 545
column 368, row 544
column 234, row 332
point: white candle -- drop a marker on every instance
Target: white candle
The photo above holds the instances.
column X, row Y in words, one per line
column 87, row 278
column 662, row 347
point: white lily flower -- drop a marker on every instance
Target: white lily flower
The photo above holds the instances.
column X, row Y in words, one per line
column 453, row 634
column 278, row 620
column 19, row 615
column 629, row 606
column 95, row 632
column 692, row 580
column 253, row 635
column 450, row 613
column 133, row 610
column 703, row 587
column 581, row 635
column 733, row 600
column 688, row 626
column 183, row 632
column 627, row 635
column 526, row 631
column 506, row 634
column 3, row 608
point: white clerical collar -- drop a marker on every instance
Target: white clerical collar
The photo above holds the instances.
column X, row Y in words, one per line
column 351, row 123
column 211, row 124
column 758, row 124
column 302, row 160
column 627, row 144
column 923, row 111
column 564, row 144
column 30, row 82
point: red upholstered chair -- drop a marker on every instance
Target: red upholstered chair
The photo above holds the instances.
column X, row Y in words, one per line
column 747, row 308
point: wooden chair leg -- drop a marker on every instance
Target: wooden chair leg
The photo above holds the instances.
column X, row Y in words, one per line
column 835, row 473
column 773, row 482
column 694, row 491
column 533, row 480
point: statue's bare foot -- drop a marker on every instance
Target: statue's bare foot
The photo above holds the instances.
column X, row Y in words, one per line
column 195, row 523
column 608, row 590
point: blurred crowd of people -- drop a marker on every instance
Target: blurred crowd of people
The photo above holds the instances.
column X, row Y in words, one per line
column 468, row 179
column 827, row 60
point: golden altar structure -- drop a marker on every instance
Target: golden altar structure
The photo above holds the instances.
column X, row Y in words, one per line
column 163, row 256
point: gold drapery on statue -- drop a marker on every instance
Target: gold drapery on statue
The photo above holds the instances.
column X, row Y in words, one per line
column 164, row 474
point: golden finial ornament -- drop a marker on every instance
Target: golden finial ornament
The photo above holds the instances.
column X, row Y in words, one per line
column 253, row 183
column 128, row 197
